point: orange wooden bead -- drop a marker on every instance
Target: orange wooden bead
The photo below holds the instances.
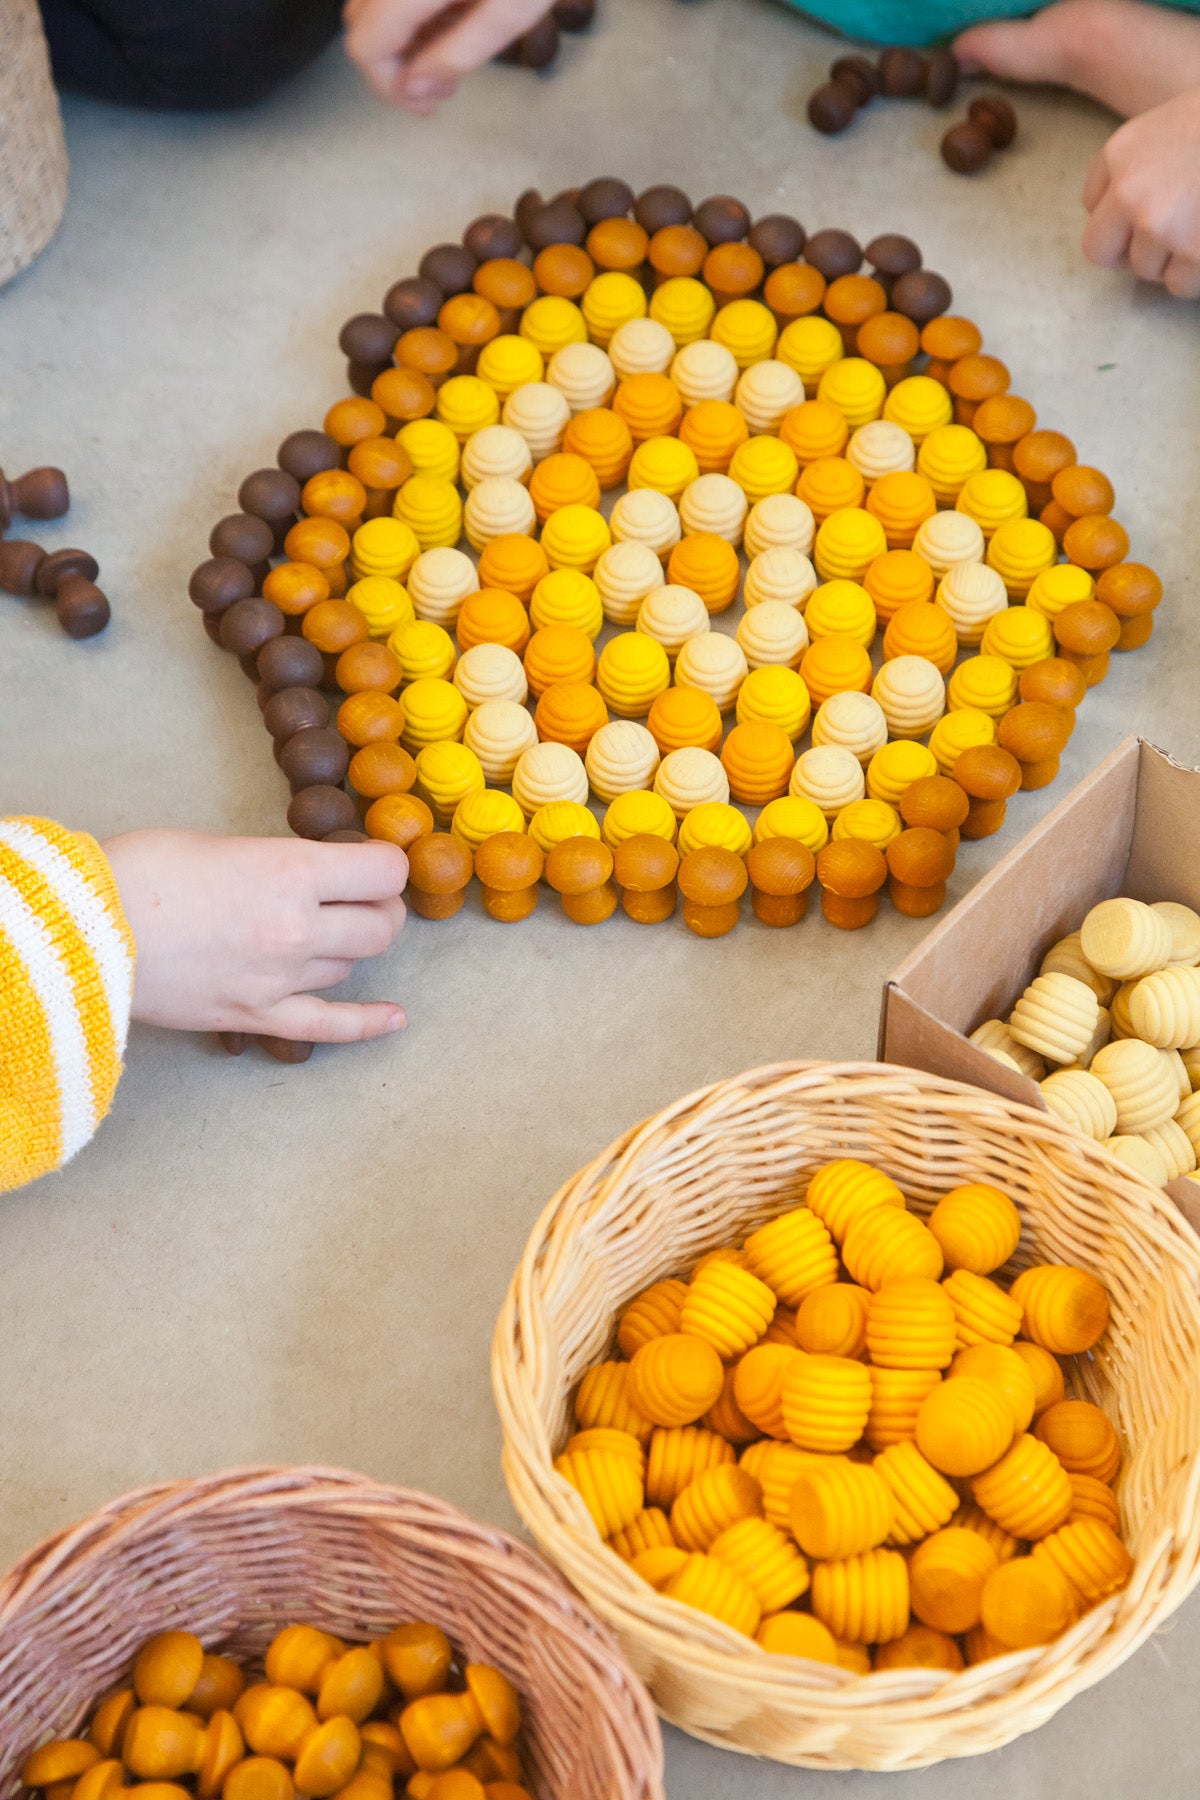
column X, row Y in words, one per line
column 1135, row 632
column 369, row 717
column 558, row 653
column 579, row 869
column 491, row 616
column 294, row 587
column 507, row 283
column 603, row 440
column 431, row 352
column 644, row 868
column 850, row 872
column 835, row 665
column 793, row 290
column 890, row 341
column 709, row 565
column 1036, row 459
column 322, row 542
column 1129, row 588
column 732, row 271
column 380, row 462
column 350, row 421
column 650, row 405
column 973, row 379
column 380, row 768
column 1095, row 542
column 944, row 340
column 398, row 818
column 683, row 718
column 563, row 269
column 989, row 776
column 781, row 871
column 333, row 625
column 921, row 629
column 1080, row 490
column 570, row 712
column 515, row 563
column 712, row 431
column 758, row 760
column 366, row 666
column 850, row 300
column 617, row 244
column 712, row 882
column 404, row 395
column 677, row 250
column 919, row 863
column 934, row 801
column 469, row 320
column 509, row 867
column 440, row 867
column 1001, row 422
column 1055, row 680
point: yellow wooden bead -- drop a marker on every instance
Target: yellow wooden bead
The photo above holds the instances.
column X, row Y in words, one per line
column 575, row 537
column 1057, row 587
column 728, row 1307
column 762, row 466
column 1020, row 550
column 273, row 1720
column 632, row 671
column 710, row 1504
column 1091, row 1556
column 167, row 1669
column 986, row 683
column 869, row 822
column 832, row 1321
column 715, row 824
column 675, row 1378
column 825, row 1402
column 677, row 1455
column 948, row 457
column 746, row 328
column 791, row 817
column 551, row 321
column 1001, row 1367
column 467, row 405
column 726, row 1416
column 432, row 448
column 446, row 774
column 1027, row 1601
column 962, row 728
column 638, row 814
column 846, row 545
column 885, row 1243
column 921, row 1647
column 439, row 1729
column 508, row 362
column 610, row 300
column 63, row 1759
column 609, row 1441
column 855, row 1658
column 559, row 820
column 894, row 767
column 664, row 464
column 920, row 405
column 329, row 1754
column 1092, row 1499
column 948, row 1573
column 863, row 1599
column 483, row 814
column 910, row 1325
column 992, row 498
column 897, row 1396
column 685, row 307
column 1082, row 1437
column 973, row 1518
column 608, row 1483
column 434, row 713
column 1066, row 1309
column 758, row 1386
column 1046, row 1371
column 773, row 695
column 977, row 1226
column 838, row 1192
column 654, row 1313
column 841, row 608
column 793, row 1254
column 901, row 501
column 602, row 1400
column 922, row 1499
column 1028, row 1491
column 106, row 1780
column 382, row 601
column 979, row 1647
column 798, row 1634
column 1020, row 635
column 430, row 506
column 658, row 1564
column 964, row 1426
column 811, row 346
column 567, row 597
column 840, row 1508
column 983, row 1312
column 651, row 1530
column 856, row 387
column 713, row 1587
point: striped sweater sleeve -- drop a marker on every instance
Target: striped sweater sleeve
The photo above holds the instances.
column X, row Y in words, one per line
column 66, row 983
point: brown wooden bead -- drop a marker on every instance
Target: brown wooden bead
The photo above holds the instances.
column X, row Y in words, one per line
column 289, row 662
column 20, row 560
column 645, row 868
column 1130, row 589
column 563, row 269
column 919, row 860
column 1085, row 632
column 605, row 197
column 493, row 236
column 890, row 341
column 81, row 607
column 380, row 462
column 892, row 255
column 858, row 75
column 448, row 266
column 1055, row 519
column 966, row 148
column 987, row 772
column 834, row 253
column 233, row 1043
column 916, row 902
column 243, row 536
column 1056, row 681
column 507, row 283
column 617, row 243
column 572, row 16
column 712, row 882
column 248, row 624
column 368, row 338
column 579, row 869
column 53, row 569
column 1096, row 542
column 973, row 379
column 382, row 767
column 985, row 817
column 368, row 666
column 677, row 250
column 721, row 219
column 398, row 818
column 316, row 756
column 832, row 107
column 781, row 871
column 439, row 871
column 306, row 453
column 1135, row 632
column 404, row 395
column 922, row 295
column 325, row 543
column 555, row 222
column 318, row 810
column 1082, row 490
column 941, row 78
column 902, row 72
column 38, row 494
column 778, row 238
column 935, row 801
column 429, row 352
column 850, row 300
column 1002, row 421
column 1035, row 730
column 509, row 866
column 1037, row 459
column 793, row 290
column 995, row 115
column 370, row 717
column 732, row 271
column 273, row 495
column 850, row 869
column 294, row 709
column 413, row 302
column 288, row 1050
column 333, row 625
column 662, row 205
column 362, row 376
column 944, row 340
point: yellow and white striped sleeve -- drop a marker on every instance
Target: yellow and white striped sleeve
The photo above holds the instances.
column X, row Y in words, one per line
column 66, row 983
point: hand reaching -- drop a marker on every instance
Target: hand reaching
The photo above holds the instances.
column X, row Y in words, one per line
column 1143, row 194
column 415, row 52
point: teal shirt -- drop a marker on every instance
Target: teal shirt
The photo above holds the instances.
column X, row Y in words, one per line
column 919, row 21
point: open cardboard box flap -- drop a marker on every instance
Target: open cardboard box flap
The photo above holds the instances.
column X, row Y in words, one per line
column 1131, row 827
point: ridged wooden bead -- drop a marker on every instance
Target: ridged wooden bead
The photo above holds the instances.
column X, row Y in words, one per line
column 758, row 1385
column 949, row 538
column 895, row 766
column 983, row 1312
column 1140, row 1081
column 1002, row 1369
column 832, row 1321
column 607, row 1439
column 1164, row 1008
column 602, row 1400
column 765, row 392
column 829, row 776
column 1082, row 1437
column 825, row 1401
column 1126, row 939
column 775, row 1466
column 971, row 594
column 499, row 732
column 922, row 1499
column 701, row 370
column 647, row 517
column 973, row 1518
column 840, row 1191
column 651, row 1530
column 877, row 449
column 1140, row 1154
column 910, row 1325
column 608, row 1484
column 964, row 1426
column 547, row 773
column 714, row 825
column 713, row 1587
column 1048, row 1384
column 993, row 1035
column 912, row 694
column 1082, row 1099
column 674, row 1379
column 793, row 1255
column 854, row 721
column 1026, row 1602
column 715, row 664
column 497, row 507
column 1090, row 1555
column 691, row 777
column 885, row 1243
column 779, row 522
column 1065, row 1308
column 977, row 1226
column 948, row 457
column 948, row 1573
column 728, row 1307
column 654, row 1313
column 677, row 1455
column 710, row 1504
column 559, row 820
column 839, row 1509
column 1066, row 958
column 625, row 574
column 897, row 1396
column 921, row 1648
column 1094, row 1500
column 772, row 634
column 621, row 758
column 765, row 1559
column 1027, row 1491
column 715, row 504
column 641, row 347
column 863, row 1599
column 1056, row 1016
column 671, row 615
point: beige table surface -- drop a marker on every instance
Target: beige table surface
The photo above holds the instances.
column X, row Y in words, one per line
column 261, row 1263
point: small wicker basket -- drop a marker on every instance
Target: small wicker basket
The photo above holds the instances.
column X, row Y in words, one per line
column 234, row 1557
column 705, row 1172
column 33, row 156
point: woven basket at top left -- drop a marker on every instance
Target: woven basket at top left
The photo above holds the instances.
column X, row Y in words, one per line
column 33, row 156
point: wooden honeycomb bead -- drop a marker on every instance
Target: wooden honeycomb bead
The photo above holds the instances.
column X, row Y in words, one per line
column 1000, row 1366
column 714, row 1588
column 840, row 1192
column 897, row 1396
column 963, row 1427
column 717, row 1499
column 609, row 1484
column 825, row 1402
column 676, row 1456
column 839, row 1509
column 793, row 1254
column 1055, row 1016
column 863, row 1599
column 1082, row 1437
column 1088, row 1552
column 948, row 1573
column 1140, row 1082
column 1125, row 939
column 1066, row 1309
column 910, row 1325
column 832, row 1320
column 674, row 1379
column 922, row 1499
column 1026, row 1602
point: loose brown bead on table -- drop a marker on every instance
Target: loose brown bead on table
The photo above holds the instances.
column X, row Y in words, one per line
column 273, row 495
column 781, row 871
column 941, row 78
column 537, row 47
column 380, row 463
column 859, row 74
column 605, row 198
column 1081, row 490
column 493, row 235
column 333, row 625
column 995, row 115
column 248, row 624
column 316, row 811
column 1037, row 459
column 413, row 302
column 316, row 756
column 565, row 270
column 851, row 874
column 617, row 243
column 966, row 148
column 439, row 872
column 509, row 866
column 243, row 536
column 53, row 569
column 712, row 881
column 833, row 253
column 732, row 271
column 288, row 1050
column 289, row 662
column 38, row 494
column 368, row 667
column 937, row 802
column 294, row 587
column 404, row 395
column 233, row 1043
column 778, row 238
column 644, row 868
column 1096, row 542
column 660, row 206
column 721, row 219
column 902, row 73
column 20, row 560
column 81, row 607
column 579, row 869
column 370, row 717
column 891, row 255
column 677, row 250
column 1055, row 680
column 430, row 352
column 1130, row 589
column 449, row 267
column 920, row 861
column 989, row 776
column 380, row 768
column 831, row 108
column 305, row 453
column 555, row 222
column 1002, row 422
column 367, row 338
column 921, row 295
column 398, row 818
column 294, row 709
column 1085, row 632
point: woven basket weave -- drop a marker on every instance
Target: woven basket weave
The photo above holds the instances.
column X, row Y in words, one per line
column 707, row 1171
column 234, row 1557
column 33, row 156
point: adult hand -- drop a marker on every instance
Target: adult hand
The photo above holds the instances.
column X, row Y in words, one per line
column 415, row 52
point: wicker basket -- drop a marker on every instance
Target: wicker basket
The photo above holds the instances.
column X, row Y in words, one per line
column 235, row 1556
column 33, row 156
column 705, row 1172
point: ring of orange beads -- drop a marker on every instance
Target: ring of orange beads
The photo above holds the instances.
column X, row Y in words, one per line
column 848, row 1436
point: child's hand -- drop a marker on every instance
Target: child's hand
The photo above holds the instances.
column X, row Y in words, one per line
column 1143, row 194
column 232, row 933
column 415, row 52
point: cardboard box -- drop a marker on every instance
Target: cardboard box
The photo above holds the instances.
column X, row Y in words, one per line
column 1131, row 827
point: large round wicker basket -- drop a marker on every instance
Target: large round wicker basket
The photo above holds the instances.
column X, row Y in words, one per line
column 234, row 1557
column 33, row 156
column 705, row 1172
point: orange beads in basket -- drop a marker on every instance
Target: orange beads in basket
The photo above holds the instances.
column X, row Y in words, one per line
column 877, row 1468
column 325, row 1720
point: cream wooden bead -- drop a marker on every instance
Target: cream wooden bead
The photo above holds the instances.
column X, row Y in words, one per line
column 671, row 615
column 495, row 452
column 1191, row 1064
column 1140, row 1154
column 1077, row 1096
column 549, row 772
column 1067, row 958
column 625, row 574
column 714, row 503
column 948, row 538
column 1179, row 1071
column 1097, row 1041
column 438, row 583
column 1164, row 1008
column 500, row 732
column 830, row 776
column 621, row 757
column 541, row 414
column 1056, row 1016
column 645, row 516
column 854, row 721
column 1006, row 1061
column 691, row 777
column 1138, row 1078
column 490, row 672
column 1174, row 1146
column 995, row 1037
column 1185, row 931
column 714, row 663
column 765, row 392
column 704, row 371
column 912, row 695
column 1125, row 938
column 1188, row 1119
column 970, row 594
column 780, row 522
column 583, row 375
column 1122, row 1024
column 496, row 507
column 881, row 448
column 641, row 347
column 779, row 574
column 773, row 633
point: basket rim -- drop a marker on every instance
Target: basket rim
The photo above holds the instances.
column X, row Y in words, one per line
column 1032, row 1678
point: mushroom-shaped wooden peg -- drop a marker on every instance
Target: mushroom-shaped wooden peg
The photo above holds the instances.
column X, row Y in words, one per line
column 781, row 871
column 38, row 494
column 1085, row 632
column 579, row 869
column 398, row 819
column 645, row 868
column 919, row 863
column 509, row 866
column 937, row 802
column 439, row 869
column 712, row 881
column 851, row 873
column 1132, row 591
column 1055, row 680
column 989, row 776
column 1036, row 733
